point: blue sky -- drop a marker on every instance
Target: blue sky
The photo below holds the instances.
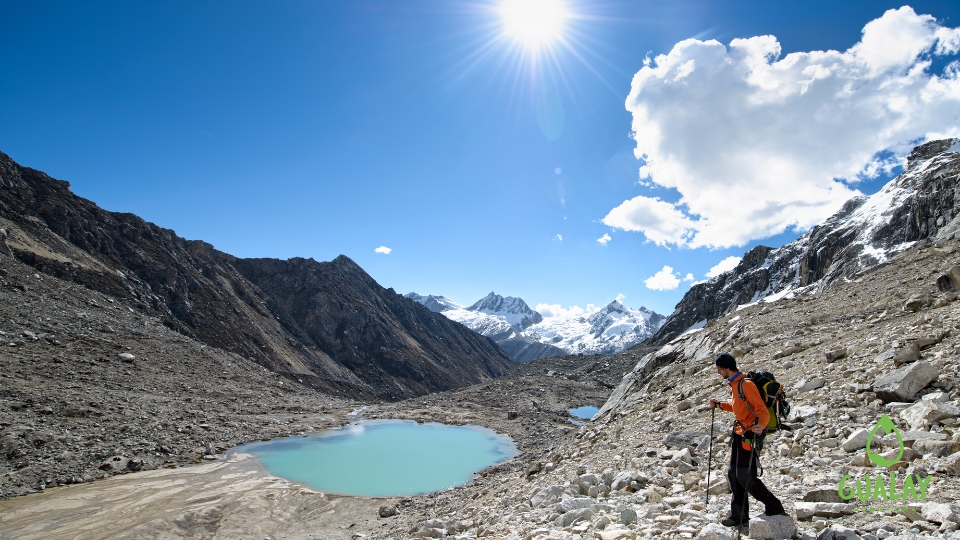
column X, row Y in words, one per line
column 313, row 129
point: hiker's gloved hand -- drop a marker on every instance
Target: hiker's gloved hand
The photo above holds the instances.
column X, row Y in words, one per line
column 714, row 404
column 757, row 428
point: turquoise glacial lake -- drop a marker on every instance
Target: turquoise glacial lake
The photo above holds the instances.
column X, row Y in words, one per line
column 585, row 413
column 384, row 457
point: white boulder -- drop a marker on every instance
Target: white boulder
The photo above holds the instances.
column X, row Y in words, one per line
column 921, row 415
column 940, row 512
column 857, row 440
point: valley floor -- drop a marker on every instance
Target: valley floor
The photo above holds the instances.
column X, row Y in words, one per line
column 638, row 471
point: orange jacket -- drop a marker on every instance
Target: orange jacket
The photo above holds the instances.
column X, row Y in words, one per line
column 739, row 408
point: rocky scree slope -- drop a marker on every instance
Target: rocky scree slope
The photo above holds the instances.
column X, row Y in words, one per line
column 91, row 387
column 884, row 343
column 327, row 325
column 921, row 204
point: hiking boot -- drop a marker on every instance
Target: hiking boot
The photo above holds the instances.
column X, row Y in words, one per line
column 776, row 512
column 733, row 522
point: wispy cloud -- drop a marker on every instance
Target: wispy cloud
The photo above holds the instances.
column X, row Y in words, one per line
column 604, row 239
column 755, row 144
column 558, row 238
column 383, row 249
column 664, row 280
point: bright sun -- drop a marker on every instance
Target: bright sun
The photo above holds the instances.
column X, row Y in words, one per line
column 534, row 23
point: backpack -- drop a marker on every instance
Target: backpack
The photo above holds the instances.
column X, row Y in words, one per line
column 773, row 396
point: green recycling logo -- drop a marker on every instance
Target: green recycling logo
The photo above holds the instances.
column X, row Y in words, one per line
column 888, row 427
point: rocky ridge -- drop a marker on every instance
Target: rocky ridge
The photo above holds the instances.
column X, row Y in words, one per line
column 883, row 343
column 919, row 205
column 327, row 325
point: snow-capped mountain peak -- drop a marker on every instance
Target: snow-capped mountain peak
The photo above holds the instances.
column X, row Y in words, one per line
column 918, row 205
column 436, row 304
column 616, row 322
column 513, row 310
column 526, row 334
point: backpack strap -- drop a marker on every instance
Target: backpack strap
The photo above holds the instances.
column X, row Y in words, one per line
column 743, row 397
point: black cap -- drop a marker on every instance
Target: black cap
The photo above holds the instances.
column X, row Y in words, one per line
column 727, row 361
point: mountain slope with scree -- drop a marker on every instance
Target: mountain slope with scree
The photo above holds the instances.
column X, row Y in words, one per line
column 883, row 343
column 327, row 325
column 918, row 205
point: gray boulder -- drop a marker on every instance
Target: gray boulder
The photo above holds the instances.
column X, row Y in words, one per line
column 930, row 447
column 909, row 353
column 4, row 248
column 575, row 503
column 806, row 510
column 836, row 354
column 917, row 302
column 950, row 465
column 843, row 533
column 921, row 415
column 823, row 494
column 565, row 520
column 950, row 282
column 679, row 439
column 904, row 383
column 622, row 480
column 940, row 512
column 765, row 527
column 856, row 440
column 552, row 495
column 715, row 531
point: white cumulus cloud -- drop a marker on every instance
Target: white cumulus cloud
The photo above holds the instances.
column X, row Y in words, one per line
column 664, row 280
column 604, row 239
column 383, row 249
column 756, row 144
column 727, row 264
column 688, row 277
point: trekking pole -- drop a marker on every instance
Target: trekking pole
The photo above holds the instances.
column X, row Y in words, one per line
column 746, row 496
column 713, row 413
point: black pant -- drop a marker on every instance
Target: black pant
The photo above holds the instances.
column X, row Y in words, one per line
column 743, row 473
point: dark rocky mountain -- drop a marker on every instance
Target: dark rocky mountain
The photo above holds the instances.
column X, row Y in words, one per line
column 524, row 348
column 919, row 205
column 327, row 325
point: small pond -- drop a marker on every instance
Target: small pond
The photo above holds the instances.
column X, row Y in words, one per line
column 384, row 457
column 585, row 413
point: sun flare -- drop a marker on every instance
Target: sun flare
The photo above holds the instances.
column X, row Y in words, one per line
column 533, row 23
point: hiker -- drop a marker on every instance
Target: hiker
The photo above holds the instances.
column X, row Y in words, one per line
column 745, row 442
